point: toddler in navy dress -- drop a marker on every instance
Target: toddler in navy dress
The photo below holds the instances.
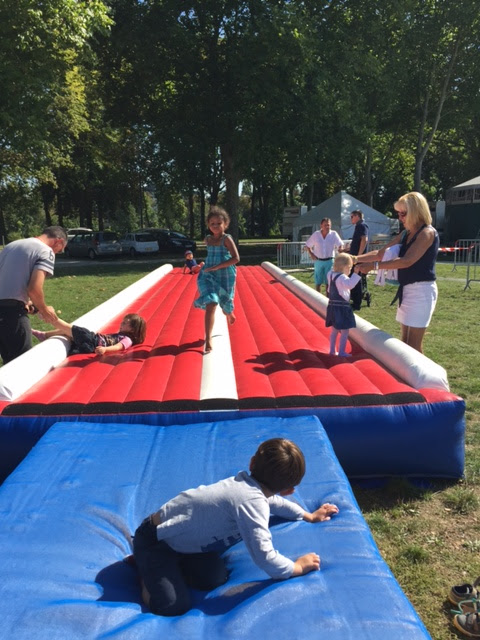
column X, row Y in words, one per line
column 340, row 315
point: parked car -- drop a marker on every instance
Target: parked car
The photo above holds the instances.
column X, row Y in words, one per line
column 139, row 242
column 93, row 244
column 74, row 231
column 172, row 241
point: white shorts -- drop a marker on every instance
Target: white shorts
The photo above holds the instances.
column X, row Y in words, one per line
column 418, row 304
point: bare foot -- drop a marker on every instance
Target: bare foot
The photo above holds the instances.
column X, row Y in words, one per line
column 208, row 346
column 231, row 318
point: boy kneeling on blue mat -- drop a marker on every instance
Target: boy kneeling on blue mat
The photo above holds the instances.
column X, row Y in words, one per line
column 179, row 546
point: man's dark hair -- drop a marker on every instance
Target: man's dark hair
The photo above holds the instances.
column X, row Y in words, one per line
column 55, row 232
column 358, row 213
column 278, row 464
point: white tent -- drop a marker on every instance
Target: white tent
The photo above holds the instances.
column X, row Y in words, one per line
column 338, row 209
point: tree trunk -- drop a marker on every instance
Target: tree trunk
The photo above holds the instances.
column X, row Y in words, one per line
column 309, row 195
column 191, row 213
column 422, row 144
column 3, row 230
column 48, row 194
column 251, row 225
column 232, row 180
column 368, row 178
column 202, row 212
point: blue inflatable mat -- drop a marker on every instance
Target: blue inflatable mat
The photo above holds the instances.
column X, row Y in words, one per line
column 69, row 510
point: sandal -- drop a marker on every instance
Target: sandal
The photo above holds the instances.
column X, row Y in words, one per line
column 463, row 592
column 466, row 606
column 468, row 624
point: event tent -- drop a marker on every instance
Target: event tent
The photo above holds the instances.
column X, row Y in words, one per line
column 338, row 209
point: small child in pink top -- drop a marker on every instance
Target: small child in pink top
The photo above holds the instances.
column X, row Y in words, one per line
column 132, row 331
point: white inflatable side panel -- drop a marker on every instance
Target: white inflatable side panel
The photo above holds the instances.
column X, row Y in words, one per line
column 408, row 364
column 20, row 374
column 218, row 374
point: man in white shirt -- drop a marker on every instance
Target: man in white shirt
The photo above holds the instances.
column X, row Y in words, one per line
column 321, row 246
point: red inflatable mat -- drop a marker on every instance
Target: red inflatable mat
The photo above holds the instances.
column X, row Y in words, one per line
column 279, row 349
column 165, row 370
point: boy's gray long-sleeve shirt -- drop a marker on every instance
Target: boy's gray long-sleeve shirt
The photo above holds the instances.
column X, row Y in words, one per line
column 214, row 517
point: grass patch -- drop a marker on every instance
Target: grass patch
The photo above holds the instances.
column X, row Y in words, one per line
column 461, row 500
column 414, row 554
column 430, row 537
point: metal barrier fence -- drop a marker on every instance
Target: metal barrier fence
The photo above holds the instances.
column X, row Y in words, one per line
column 293, row 255
column 462, row 251
column 473, row 261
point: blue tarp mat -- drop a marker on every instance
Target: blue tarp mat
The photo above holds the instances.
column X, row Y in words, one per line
column 69, row 509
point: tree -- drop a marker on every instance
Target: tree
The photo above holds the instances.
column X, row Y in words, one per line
column 39, row 47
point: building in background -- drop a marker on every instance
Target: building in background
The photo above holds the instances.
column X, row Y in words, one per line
column 462, row 211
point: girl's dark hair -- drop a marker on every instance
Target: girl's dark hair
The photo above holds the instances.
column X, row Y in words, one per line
column 278, row 464
column 218, row 212
column 138, row 328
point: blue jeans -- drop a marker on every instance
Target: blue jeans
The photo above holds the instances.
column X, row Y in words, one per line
column 167, row 574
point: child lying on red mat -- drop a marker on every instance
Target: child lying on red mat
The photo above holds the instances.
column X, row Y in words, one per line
column 132, row 331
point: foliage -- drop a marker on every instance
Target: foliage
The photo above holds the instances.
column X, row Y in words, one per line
column 105, row 101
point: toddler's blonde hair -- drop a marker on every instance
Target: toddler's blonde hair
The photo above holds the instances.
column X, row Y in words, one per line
column 341, row 261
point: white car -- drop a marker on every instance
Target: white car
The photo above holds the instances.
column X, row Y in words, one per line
column 139, row 242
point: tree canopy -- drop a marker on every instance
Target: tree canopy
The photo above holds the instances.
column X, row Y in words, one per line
column 126, row 112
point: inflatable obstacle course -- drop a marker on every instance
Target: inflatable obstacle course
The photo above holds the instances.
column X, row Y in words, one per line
column 387, row 409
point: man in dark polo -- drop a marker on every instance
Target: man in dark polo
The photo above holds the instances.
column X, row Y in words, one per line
column 357, row 247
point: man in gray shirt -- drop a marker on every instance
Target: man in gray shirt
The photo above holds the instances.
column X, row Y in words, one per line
column 24, row 266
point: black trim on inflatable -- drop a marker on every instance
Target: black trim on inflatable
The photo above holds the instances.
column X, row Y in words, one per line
column 213, row 404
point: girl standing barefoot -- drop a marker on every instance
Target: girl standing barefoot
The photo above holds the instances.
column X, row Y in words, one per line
column 216, row 280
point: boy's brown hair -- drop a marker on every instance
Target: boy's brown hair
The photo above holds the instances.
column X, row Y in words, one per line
column 278, row 464
column 139, row 328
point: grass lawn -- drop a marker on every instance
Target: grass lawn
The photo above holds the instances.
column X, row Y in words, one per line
column 429, row 536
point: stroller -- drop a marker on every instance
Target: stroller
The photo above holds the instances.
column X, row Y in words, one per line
column 366, row 295
column 360, row 294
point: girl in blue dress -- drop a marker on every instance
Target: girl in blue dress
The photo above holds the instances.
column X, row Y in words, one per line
column 216, row 280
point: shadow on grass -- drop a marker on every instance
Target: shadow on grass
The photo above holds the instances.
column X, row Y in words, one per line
column 393, row 492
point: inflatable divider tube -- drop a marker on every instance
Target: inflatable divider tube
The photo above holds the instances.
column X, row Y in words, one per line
column 408, row 364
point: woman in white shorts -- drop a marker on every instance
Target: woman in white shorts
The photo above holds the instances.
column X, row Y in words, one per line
column 417, row 292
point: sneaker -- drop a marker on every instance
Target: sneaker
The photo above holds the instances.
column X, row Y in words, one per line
column 468, row 624
column 462, row 592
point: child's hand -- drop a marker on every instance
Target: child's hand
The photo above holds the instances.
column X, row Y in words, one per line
column 100, row 350
column 31, row 308
column 325, row 512
column 305, row 564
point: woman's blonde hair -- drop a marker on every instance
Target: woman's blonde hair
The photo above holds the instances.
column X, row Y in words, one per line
column 416, row 206
column 341, row 261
